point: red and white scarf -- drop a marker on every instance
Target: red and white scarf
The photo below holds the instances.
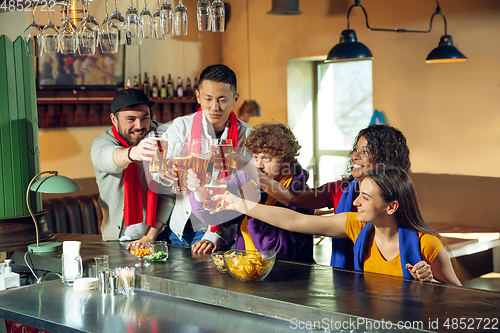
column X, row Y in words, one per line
column 132, row 210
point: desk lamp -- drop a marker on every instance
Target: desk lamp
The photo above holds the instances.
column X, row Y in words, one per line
column 51, row 184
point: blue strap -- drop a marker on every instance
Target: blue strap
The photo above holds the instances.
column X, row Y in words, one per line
column 341, row 246
column 409, row 248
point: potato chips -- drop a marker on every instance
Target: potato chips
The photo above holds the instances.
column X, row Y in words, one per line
column 248, row 267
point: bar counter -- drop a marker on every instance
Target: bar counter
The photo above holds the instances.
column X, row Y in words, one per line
column 293, row 297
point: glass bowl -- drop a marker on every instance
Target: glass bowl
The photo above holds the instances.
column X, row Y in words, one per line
column 160, row 252
column 249, row 266
column 142, row 251
column 218, row 259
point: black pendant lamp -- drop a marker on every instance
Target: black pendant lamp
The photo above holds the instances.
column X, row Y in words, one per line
column 445, row 52
column 349, row 49
column 285, row 7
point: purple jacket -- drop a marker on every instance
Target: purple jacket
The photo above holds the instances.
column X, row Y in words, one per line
column 288, row 245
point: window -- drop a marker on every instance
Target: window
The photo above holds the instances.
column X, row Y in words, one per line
column 340, row 105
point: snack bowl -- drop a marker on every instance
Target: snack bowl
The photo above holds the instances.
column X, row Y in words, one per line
column 218, row 259
column 249, row 266
column 142, row 251
column 160, row 252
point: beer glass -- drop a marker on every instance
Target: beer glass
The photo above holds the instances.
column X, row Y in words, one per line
column 220, row 147
column 34, row 34
column 133, row 35
column 181, row 19
column 204, row 15
column 218, row 16
column 146, row 22
column 182, row 160
column 108, row 34
column 158, row 163
column 200, row 153
column 216, row 187
column 67, row 36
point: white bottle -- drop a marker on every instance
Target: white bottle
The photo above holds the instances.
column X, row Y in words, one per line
column 8, row 279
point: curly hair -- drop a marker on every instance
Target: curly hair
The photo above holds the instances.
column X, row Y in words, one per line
column 386, row 146
column 274, row 139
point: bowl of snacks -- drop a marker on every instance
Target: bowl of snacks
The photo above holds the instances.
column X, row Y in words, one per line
column 218, row 259
column 141, row 251
column 160, row 252
column 249, row 266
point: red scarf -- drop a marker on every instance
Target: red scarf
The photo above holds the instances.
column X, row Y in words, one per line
column 232, row 134
column 132, row 210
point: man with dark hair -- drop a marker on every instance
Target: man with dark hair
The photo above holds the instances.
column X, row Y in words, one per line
column 217, row 94
column 130, row 210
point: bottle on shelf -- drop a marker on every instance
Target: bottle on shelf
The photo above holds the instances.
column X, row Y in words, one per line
column 154, row 88
column 140, row 82
column 179, row 90
column 170, row 87
column 145, row 86
column 195, row 86
column 136, row 85
column 163, row 89
column 188, row 92
column 128, row 86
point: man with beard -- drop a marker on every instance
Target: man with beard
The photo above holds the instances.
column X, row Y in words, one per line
column 131, row 211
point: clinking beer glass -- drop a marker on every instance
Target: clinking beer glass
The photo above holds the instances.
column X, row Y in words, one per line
column 220, row 147
column 216, row 187
column 182, row 159
column 200, row 158
column 158, row 163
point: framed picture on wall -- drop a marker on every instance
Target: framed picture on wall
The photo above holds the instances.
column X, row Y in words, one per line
column 56, row 71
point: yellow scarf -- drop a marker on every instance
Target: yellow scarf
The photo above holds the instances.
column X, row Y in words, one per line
column 249, row 245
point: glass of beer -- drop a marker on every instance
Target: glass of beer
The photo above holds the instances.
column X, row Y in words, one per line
column 220, row 147
column 200, row 158
column 182, row 160
column 216, row 187
column 158, row 163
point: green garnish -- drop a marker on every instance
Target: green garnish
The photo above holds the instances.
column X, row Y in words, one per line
column 158, row 256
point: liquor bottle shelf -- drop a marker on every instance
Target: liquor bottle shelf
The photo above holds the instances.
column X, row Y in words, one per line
column 77, row 110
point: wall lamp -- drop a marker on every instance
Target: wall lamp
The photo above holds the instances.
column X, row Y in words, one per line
column 349, row 49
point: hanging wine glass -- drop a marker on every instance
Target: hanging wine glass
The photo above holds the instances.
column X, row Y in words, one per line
column 132, row 33
column 87, row 33
column 108, row 34
column 204, row 15
column 166, row 8
column 218, row 16
column 50, row 33
column 67, row 34
column 119, row 20
column 146, row 22
column 181, row 19
column 159, row 23
column 33, row 37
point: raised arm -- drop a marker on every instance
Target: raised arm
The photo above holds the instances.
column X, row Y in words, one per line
column 287, row 219
column 304, row 198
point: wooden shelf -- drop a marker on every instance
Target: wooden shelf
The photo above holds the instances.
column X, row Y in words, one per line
column 92, row 108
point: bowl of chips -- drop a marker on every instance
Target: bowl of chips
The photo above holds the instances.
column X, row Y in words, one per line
column 218, row 259
column 249, row 266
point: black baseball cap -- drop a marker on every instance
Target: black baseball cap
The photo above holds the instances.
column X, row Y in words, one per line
column 128, row 97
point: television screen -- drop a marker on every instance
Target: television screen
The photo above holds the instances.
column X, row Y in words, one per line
column 72, row 71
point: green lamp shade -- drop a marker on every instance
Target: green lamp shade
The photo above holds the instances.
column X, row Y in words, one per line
column 55, row 184
column 349, row 49
column 445, row 52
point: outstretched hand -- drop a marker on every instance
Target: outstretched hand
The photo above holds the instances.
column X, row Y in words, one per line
column 421, row 271
column 144, row 151
column 237, row 161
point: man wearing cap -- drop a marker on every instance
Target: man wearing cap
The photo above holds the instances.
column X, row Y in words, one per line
column 131, row 210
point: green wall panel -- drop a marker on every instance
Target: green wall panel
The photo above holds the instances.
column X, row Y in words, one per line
column 18, row 128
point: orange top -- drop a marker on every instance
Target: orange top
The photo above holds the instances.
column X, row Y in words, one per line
column 375, row 263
